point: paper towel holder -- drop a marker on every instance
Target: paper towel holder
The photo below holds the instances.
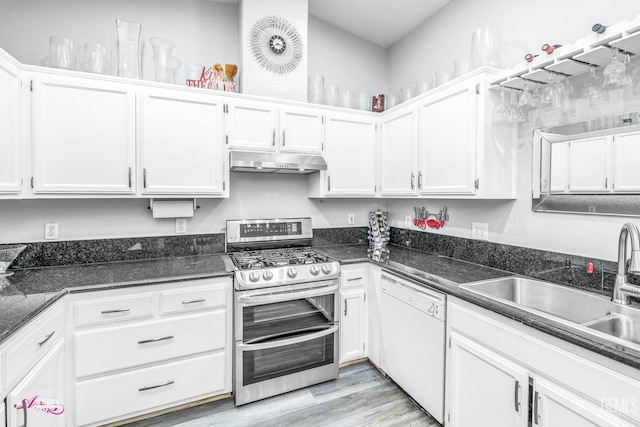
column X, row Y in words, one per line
column 165, row 205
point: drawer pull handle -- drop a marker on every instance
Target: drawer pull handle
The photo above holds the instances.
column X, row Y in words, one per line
column 119, row 310
column 194, row 301
column 151, row 387
column 353, row 279
column 47, row 338
column 169, row 337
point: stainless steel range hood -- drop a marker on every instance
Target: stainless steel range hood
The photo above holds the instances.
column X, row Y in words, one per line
column 243, row 161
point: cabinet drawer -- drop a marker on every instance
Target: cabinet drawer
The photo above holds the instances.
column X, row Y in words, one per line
column 133, row 393
column 190, row 299
column 114, row 348
column 114, row 309
column 353, row 278
column 33, row 343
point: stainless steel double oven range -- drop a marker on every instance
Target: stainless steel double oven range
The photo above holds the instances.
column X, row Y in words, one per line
column 285, row 310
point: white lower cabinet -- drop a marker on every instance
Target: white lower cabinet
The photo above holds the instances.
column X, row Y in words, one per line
column 352, row 325
column 484, row 388
column 374, row 343
column 39, row 399
column 148, row 389
column 353, row 312
column 501, row 373
column 174, row 349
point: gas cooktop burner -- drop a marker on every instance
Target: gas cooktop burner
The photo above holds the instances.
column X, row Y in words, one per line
column 249, row 260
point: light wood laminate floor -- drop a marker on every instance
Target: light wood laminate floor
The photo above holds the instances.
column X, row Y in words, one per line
column 361, row 396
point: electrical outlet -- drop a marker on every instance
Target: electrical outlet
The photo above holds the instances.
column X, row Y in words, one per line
column 480, row 230
column 181, row 225
column 407, row 220
column 51, row 231
column 351, row 218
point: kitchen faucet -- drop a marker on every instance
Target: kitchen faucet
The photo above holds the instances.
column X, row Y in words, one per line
column 622, row 291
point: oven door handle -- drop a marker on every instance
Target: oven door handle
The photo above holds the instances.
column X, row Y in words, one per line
column 289, row 341
column 286, row 296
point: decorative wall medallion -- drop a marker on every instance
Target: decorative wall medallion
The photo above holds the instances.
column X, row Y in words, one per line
column 276, row 44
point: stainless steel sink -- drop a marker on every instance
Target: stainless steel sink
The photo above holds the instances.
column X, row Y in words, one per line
column 622, row 327
column 570, row 304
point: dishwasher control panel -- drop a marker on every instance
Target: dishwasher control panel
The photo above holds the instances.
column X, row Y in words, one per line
column 426, row 300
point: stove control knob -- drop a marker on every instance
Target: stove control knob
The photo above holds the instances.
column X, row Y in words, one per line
column 314, row 270
column 326, row 269
column 267, row 275
column 254, row 276
column 292, row 272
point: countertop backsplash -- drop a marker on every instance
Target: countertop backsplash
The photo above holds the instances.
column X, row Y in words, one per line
column 567, row 269
column 557, row 267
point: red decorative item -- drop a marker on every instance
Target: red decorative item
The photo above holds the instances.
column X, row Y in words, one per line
column 530, row 57
column 377, row 103
column 548, row 48
column 590, row 269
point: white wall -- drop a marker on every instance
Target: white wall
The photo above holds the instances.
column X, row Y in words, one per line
column 447, row 35
column 206, row 32
column 252, row 196
column 345, row 60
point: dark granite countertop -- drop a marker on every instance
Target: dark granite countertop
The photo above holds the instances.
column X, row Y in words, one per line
column 28, row 292
column 445, row 274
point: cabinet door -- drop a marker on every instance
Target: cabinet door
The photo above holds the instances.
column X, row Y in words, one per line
column 39, row 397
column 182, row 144
column 301, row 130
column 352, row 325
column 10, row 107
column 351, row 156
column 626, row 152
column 374, row 342
column 555, row 406
column 83, row 136
column 559, row 167
column 252, row 126
column 483, row 388
column 448, row 132
column 589, row 165
column 399, row 150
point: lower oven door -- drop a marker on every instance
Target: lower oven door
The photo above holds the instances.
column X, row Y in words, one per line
column 289, row 341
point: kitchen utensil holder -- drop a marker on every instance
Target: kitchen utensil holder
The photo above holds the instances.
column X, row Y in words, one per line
column 422, row 218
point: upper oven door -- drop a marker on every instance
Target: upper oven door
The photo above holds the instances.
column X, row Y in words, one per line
column 277, row 313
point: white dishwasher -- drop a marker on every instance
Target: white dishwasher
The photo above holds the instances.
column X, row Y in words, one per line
column 412, row 322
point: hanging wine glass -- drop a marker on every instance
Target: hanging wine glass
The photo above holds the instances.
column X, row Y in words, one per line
column 592, row 89
column 527, row 102
column 550, row 95
column 614, row 73
column 501, row 110
column 515, row 114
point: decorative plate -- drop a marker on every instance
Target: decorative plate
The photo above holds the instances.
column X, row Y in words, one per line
column 276, row 44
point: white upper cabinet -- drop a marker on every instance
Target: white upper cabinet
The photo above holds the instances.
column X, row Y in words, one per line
column 398, row 154
column 459, row 157
column 301, row 130
column 265, row 126
column 252, row 125
column 589, row 165
column 182, row 144
column 559, row 177
column 626, row 153
column 448, row 140
column 10, row 107
column 351, row 158
column 83, row 136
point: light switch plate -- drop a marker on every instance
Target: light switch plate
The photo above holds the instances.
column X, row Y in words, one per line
column 351, row 218
column 407, row 220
